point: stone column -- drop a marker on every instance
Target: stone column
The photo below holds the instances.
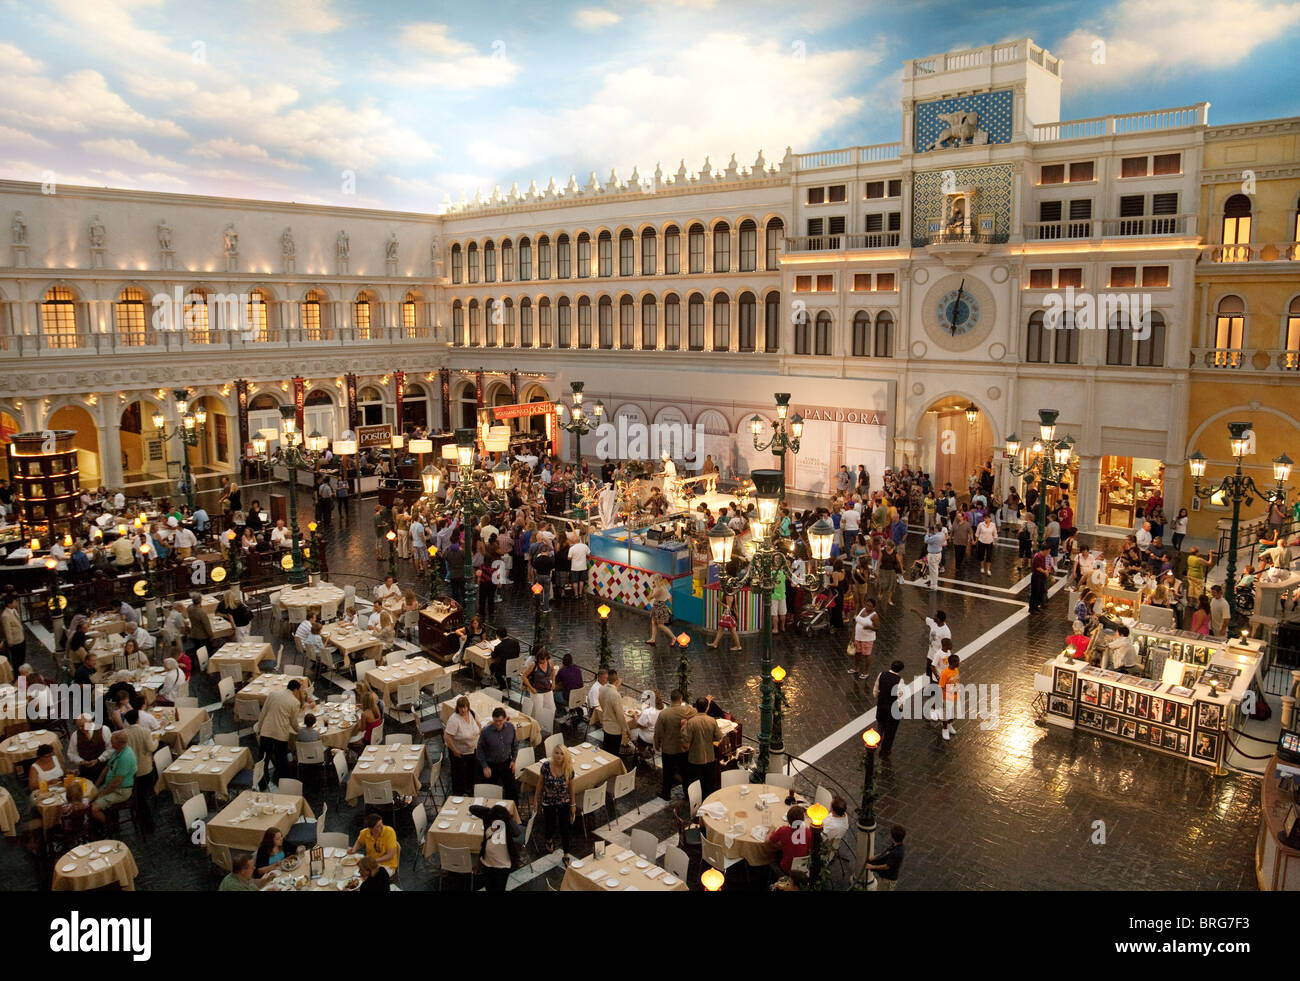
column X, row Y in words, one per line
column 1086, row 504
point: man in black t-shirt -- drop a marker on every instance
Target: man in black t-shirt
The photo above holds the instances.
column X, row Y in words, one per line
column 543, row 568
column 888, row 862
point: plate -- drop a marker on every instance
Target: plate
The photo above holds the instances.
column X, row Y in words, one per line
column 624, row 870
column 669, row 881
column 363, row 766
column 586, row 766
column 408, row 766
column 105, row 849
column 324, row 883
column 444, row 824
column 69, row 868
column 641, row 863
column 611, row 883
column 577, row 863
column 458, row 800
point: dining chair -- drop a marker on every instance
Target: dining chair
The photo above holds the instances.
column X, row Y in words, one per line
column 544, row 711
column 379, row 793
column 226, row 739
column 205, row 732
column 162, row 760
column 201, row 655
column 823, row 797
column 333, row 839
column 220, row 855
column 194, row 809
column 398, row 739
column 524, row 758
column 247, row 779
column 644, row 844
column 624, row 785
column 490, row 790
column 341, row 766
column 362, row 668
column 731, row 778
column 455, row 861
column 593, row 799
column 226, row 689
column 186, row 702
column 557, row 739
column 714, row 854
column 678, row 863
column 783, row 780
column 294, row 671
column 336, row 699
column 495, row 694
column 183, row 790
column 695, row 794
column 407, row 699
column 396, row 657
column 310, row 754
column 288, row 786
column 247, row 710
column 420, row 822
column 234, row 672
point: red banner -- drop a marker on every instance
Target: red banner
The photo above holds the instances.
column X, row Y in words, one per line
column 299, row 400
column 399, row 387
column 241, row 400
column 350, row 383
column 444, row 385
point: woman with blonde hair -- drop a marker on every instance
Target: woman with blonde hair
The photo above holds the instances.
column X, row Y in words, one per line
column 369, row 720
column 661, row 614
column 554, row 794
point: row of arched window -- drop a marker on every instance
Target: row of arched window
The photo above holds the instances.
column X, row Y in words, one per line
column 655, row 252
column 660, row 324
column 1129, row 340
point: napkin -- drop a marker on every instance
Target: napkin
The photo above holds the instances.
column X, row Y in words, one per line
column 653, row 872
column 769, row 798
column 99, row 864
column 466, row 827
column 729, row 838
column 714, row 809
column 624, row 856
column 601, row 760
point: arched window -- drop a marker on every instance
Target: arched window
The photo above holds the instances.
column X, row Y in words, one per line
column 1229, row 332
column 672, row 251
column 823, row 333
column 130, row 315
column 672, row 323
column 626, row 324
column 695, row 244
column 747, row 310
column 584, row 322
column 1119, row 340
column 507, row 322
column 1291, row 342
column 584, row 256
column 1037, row 350
column 362, row 312
column 649, row 324
column 491, row 321
column 544, row 257
column 59, row 318
column 489, row 262
column 412, row 316
column 772, row 322
column 525, row 259
column 457, row 323
column 606, row 322
column 258, row 323
column 775, row 231
column 457, row 263
column 648, row 252
column 802, row 325
column 721, row 247
column 1236, row 229
column 626, row 253
column 1067, row 340
column 564, row 323
column 695, row 311
column 472, row 254
column 884, row 334
column 721, row 323
column 606, row 243
column 563, row 258
column 1151, row 341
column 861, row 334
column 311, row 315
column 475, row 337
column 544, row 336
column 748, row 246
column 197, row 327
column 525, row 321
column 507, row 261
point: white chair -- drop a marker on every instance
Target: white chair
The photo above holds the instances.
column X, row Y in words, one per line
column 398, row 739
column 226, row 739
column 201, row 654
column 420, row 820
column 551, row 742
column 714, row 854
column 441, row 687
column 363, row 668
column 624, row 786
column 593, row 799
column 378, row 793
column 294, row 671
column 220, row 855
column 397, row 657
column 490, row 790
column 183, row 790
column 802, row 864
column 232, row 671
column 455, row 861
column 732, row 777
column 310, row 753
column 411, row 623
column 205, row 732
column 695, row 794
column 184, row 702
column 194, row 809
column 644, row 844
column 524, row 758
column 544, row 711
column 677, row 862
column 823, row 797
column 377, row 735
column 408, row 699
column 782, row 780
column 336, row 699
column 349, row 597
column 226, row 689
column 341, row 766
column 247, row 710
column 495, row 694
column 162, row 760
column 288, row 786
column 333, row 839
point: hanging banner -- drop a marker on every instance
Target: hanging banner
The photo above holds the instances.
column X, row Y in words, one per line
column 399, row 387
column 514, row 386
column 350, row 383
column 478, row 389
column 299, row 400
column 444, row 385
column 241, row 399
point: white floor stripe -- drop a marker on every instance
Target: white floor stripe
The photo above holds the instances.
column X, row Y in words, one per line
column 925, row 584
column 997, row 589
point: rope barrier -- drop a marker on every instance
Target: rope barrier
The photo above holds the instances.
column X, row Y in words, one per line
column 1245, row 756
column 1256, row 738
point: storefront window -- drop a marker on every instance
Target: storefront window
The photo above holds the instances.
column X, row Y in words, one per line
column 1127, row 485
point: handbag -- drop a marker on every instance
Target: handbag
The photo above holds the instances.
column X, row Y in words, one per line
column 851, row 649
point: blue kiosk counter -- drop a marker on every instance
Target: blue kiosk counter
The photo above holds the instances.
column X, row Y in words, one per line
column 626, row 559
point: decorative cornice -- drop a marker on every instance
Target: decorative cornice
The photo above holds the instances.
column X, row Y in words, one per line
column 1261, row 172
column 1263, row 127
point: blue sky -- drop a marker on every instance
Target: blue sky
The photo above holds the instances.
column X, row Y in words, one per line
column 420, row 100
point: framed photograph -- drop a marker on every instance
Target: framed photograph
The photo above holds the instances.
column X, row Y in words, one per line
column 1092, row 719
column 1181, row 691
column 1190, row 677
column 1107, row 693
column 1132, row 701
column 1183, row 742
column 1196, row 504
column 1157, row 735
column 1112, row 724
column 1061, row 706
column 1090, row 692
column 1184, row 717
column 1129, row 729
column 1205, row 746
column 1144, row 706
column 1064, row 684
column 1150, row 684
column 1144, row 731
column 1171, row 713
column 1157, row 709
column 1208, row 715
column 1171, row 740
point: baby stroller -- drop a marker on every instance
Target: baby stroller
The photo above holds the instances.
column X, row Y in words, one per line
column 1245, row 597
column 816, row 615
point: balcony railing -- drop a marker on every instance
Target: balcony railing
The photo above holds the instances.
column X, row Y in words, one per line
column 990, row 54
column 154, row 341
column 1244, row 359
column 847, row 242
column 1126, row 124
column 965, row 238
column 1142, row 225
column 848, row 156
column 1251, row 252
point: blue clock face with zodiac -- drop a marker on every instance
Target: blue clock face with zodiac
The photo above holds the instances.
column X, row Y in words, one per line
column 958, row 312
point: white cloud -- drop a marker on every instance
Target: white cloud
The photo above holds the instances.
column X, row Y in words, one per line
column 226, row 148
column 12, row 138
column 312, row 16
column 154, row 178
column 129, row 150
column 1153, row 39
column 72, row 103
column 594, row 18
column 444, row 62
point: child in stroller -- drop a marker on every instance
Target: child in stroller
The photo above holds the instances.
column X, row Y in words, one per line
column 816, row 614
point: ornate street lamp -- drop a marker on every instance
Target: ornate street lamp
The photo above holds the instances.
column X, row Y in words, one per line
column 867, row 812
column 817, row 818
column 606, row 656
column 1239, row 488
column 1049, row 461
column 784, row 438
column 579, row 425
column 684, row 666
column 778, row 711
column 193, row 424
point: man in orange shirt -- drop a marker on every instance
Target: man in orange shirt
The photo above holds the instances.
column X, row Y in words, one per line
column 948, row 684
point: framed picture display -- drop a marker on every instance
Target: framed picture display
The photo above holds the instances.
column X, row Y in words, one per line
column 1131, row 701
column 1209, row 715
column 1190, row 676
column 1171, row 740
column 1144, row 705
column 1171, row 713
column 1157, row 735
column 1157, row 709
column 1107, row 694
column 1184, row 720
column 1112, row 724
column 1144, row 732
column 1129, row 729
column 1063, row 683
column 1183, row 742
column 1090, row 692
column 1205, row 746
column 1061, row 706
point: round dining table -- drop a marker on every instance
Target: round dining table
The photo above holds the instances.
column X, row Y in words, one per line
column 93, row 866
column 753, row 811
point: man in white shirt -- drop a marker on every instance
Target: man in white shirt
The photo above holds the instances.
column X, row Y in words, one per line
column 1220, row 612
column 1124, row 653
column 143, row 639
column 578, row 553
column 593, row 696
column 185, row 542
column 280, row 535
column 939, row 632
column 850, row 521
column 119, row 501
column 389, row 592
column 1143, row 536
column 304, row 628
